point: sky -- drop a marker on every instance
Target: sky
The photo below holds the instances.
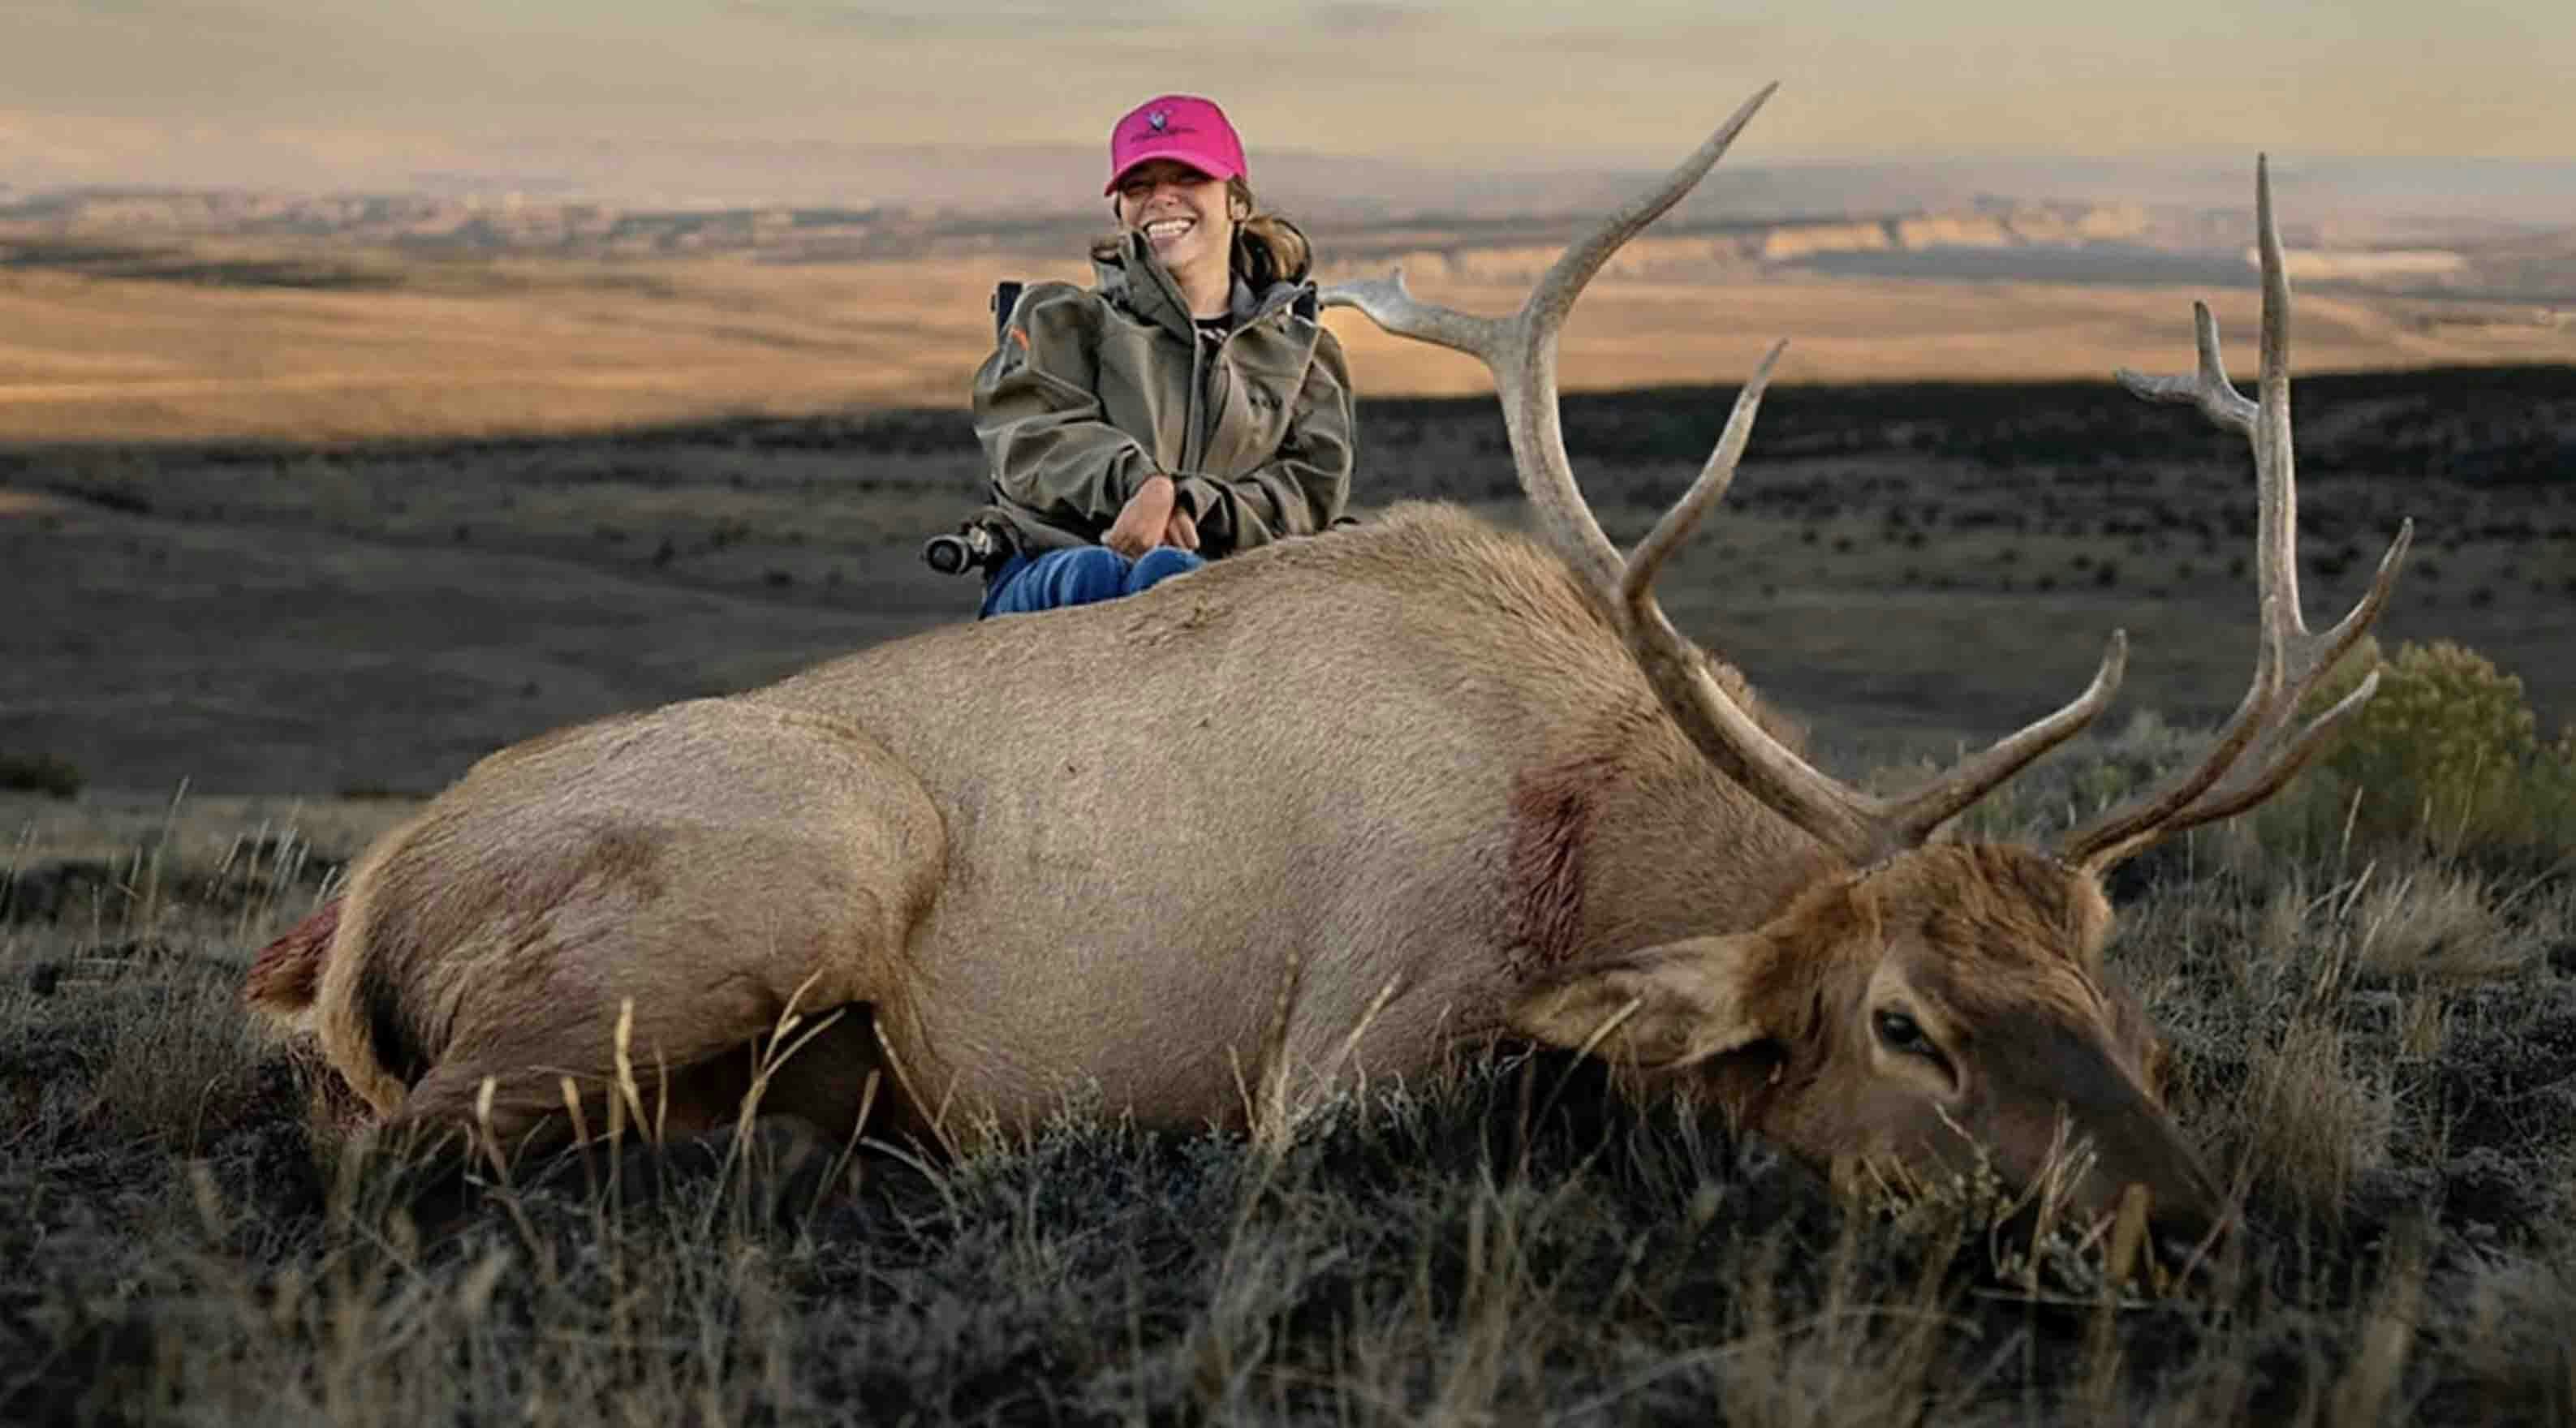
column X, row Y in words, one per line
column 94, row 90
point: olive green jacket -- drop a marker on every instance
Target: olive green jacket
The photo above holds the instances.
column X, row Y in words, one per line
column 1092, row 391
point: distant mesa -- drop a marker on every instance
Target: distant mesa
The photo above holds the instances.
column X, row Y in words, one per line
column 2329, row 265
column 1980, row 235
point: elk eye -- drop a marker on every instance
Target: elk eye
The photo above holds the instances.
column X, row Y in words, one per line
column 1904, row 1035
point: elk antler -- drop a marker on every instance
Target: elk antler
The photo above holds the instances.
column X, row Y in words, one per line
column 1521, row 351
column 2290, row 661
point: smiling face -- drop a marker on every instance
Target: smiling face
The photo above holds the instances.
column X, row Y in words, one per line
column 1943, row 1010
column 1186, row 216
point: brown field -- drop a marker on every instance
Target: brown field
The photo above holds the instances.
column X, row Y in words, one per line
column 382, row 346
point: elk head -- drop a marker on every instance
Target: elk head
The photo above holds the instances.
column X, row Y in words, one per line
column 1943, row 1011
column 1932, row 1002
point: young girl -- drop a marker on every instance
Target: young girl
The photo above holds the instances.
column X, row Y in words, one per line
column 1186, row 406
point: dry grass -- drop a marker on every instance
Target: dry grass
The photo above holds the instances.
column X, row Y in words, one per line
column 193, row 1246
column 178, row 1071
column 2312, row 1119
column 2437, row 924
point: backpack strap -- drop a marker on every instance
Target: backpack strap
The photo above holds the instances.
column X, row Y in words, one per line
column 1006, row 296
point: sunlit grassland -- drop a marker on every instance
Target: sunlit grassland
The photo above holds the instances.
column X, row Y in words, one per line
column 380, row 344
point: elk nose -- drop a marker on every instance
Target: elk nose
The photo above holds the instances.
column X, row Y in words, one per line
column 2187, row 1202
column 2177, row 1233
column 2187, row 1212
column 2196, row 1207
column 2191, row 1228
column 2188, row 1229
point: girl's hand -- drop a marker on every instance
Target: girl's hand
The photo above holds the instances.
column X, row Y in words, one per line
column 1143, row 520
column 1182, row 532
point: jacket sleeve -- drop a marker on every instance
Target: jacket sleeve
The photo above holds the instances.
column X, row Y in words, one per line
column 1303, row 488
column 1049, row 448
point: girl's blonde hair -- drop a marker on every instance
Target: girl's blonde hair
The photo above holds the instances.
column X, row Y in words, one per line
column 1267, row 247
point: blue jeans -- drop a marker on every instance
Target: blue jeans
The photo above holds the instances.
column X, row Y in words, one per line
column 1079, row 576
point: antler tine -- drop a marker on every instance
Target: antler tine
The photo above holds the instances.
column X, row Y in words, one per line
column 2275, row 464
column 2113, row 843
column 1912, row 818
column 1521, row 351
column 1391, row 305
column 2233, row 799
column 1564, row 280
column 1861, row 826
column 2290, row 661
column 1730, row 738
column 2284, row 753
column 2207, row 388
column 1637, row 577
column 1530, row 412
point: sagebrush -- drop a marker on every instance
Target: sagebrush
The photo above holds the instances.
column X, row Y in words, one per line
column 2447, row 756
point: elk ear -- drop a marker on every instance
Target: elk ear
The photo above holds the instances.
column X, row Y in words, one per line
column 1668, row 1006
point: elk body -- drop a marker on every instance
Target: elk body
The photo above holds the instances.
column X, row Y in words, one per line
column 1334, row 808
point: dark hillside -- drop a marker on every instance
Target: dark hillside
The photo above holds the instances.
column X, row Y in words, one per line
column 266, row 619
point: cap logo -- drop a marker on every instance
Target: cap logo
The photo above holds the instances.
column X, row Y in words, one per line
column 1158, row 120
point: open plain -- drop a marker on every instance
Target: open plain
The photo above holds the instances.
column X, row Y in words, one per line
column 118, row 343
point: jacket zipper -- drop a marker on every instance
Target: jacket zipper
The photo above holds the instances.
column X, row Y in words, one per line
column 1193, row 438
column 1201, row 352
column 1190, row 411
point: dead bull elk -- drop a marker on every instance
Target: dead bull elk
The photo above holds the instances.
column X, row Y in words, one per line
column 1463, row 782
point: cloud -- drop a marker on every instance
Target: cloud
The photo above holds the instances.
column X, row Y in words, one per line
column 1357, row 19
column 872, row 21
column 1603, row 78
column 1672, row 42
column 986, row 19
column 49, row 148
column 172, row 16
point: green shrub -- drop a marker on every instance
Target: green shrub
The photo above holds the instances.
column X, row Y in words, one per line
column 40, row 773
column 2447, row 755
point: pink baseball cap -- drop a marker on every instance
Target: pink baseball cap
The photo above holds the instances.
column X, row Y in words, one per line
column 1180, row 127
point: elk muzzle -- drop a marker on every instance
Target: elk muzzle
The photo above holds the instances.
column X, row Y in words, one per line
column 2056, row 1100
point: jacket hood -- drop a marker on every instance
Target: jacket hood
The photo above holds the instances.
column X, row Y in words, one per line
column 1137, row 281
